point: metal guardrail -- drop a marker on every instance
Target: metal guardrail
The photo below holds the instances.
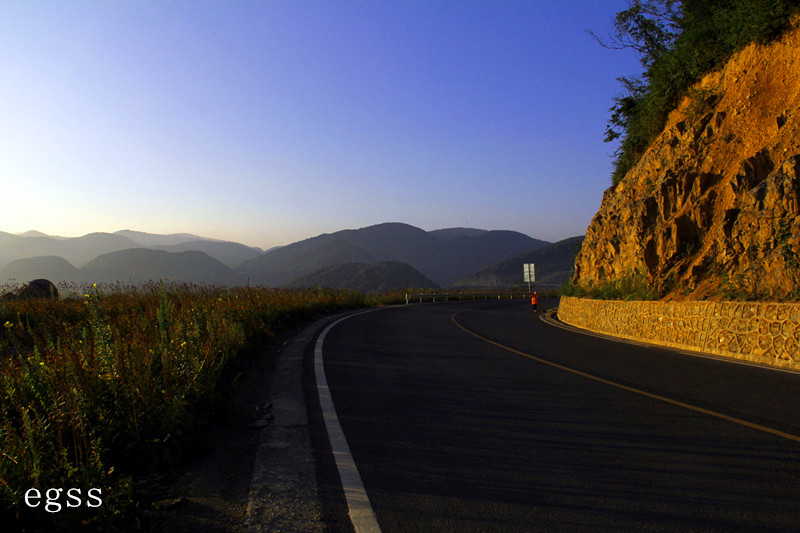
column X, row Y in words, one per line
column 450, row 296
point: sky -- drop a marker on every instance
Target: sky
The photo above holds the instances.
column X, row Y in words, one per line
column 267, row 122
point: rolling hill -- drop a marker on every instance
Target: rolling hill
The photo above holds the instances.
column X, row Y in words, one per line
column 150, row 240
column 442, row 258
column 282, row 265
column 76, row 250
column 128, row 266
column 34, row 233
column 142, row 264
column 452, row 233
column 554, row 267
column 231, row 254
column 54, row 268
column 80, row 250
column 374, row 277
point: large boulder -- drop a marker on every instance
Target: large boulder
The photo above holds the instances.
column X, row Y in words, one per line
column 38, row 288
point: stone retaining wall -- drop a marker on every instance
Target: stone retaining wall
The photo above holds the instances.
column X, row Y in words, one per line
column 755, row 331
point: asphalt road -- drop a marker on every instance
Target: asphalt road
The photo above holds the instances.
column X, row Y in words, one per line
column 568, row 432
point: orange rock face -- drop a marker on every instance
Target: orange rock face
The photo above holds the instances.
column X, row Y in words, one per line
column 712, row 209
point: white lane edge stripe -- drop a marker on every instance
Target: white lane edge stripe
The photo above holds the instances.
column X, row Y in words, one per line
column 359, row 508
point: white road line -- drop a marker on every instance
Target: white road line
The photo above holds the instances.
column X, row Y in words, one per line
column 361, row 514
column 692, row 407
column 685, row 351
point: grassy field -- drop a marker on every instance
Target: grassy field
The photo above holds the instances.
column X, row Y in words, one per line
column 117, row 380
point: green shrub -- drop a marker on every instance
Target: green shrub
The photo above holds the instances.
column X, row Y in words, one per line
column 633, row 286
column 678, row 43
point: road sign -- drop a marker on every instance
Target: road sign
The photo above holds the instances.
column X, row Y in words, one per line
column 529, row 272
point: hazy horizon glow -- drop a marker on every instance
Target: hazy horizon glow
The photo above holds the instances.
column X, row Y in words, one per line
column 270, row 122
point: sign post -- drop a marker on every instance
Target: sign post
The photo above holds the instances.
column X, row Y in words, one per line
column 529, row 273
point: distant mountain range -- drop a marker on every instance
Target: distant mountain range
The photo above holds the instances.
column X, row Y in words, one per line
column 80, row 250
column 554, row 266
column 373, row 277
column 442, row 255
column 380, row 257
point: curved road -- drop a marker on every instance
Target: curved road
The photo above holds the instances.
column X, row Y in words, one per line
column 479, row 416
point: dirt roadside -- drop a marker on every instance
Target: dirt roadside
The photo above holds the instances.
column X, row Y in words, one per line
column 256, row 473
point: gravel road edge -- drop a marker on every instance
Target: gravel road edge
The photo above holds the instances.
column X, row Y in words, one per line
column 283, row 490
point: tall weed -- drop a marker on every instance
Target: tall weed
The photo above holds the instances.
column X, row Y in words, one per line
column 116, row 381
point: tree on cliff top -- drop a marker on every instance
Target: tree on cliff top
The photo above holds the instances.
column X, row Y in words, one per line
column 678, row 42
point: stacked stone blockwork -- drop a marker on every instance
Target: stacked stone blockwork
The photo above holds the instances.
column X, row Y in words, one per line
column 755, row 331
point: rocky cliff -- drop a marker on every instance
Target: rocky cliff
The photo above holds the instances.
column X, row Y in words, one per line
column 711, row 208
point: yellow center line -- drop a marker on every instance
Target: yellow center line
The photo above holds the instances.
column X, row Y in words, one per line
column 696, row 408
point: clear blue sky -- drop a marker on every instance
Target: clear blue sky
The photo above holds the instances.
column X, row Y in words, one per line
column 266, row 122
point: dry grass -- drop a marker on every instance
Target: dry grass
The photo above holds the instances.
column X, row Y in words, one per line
column 116, row 380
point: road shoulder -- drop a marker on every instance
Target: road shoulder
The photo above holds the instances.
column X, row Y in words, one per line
column 283, row 489
column 255, row 471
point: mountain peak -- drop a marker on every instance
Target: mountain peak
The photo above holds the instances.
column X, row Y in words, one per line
column 452, row 233
column 33, row 233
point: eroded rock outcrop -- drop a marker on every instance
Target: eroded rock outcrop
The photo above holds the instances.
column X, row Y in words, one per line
column 712, row 209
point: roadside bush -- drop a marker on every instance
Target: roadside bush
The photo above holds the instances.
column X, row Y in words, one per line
column 633, row 286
